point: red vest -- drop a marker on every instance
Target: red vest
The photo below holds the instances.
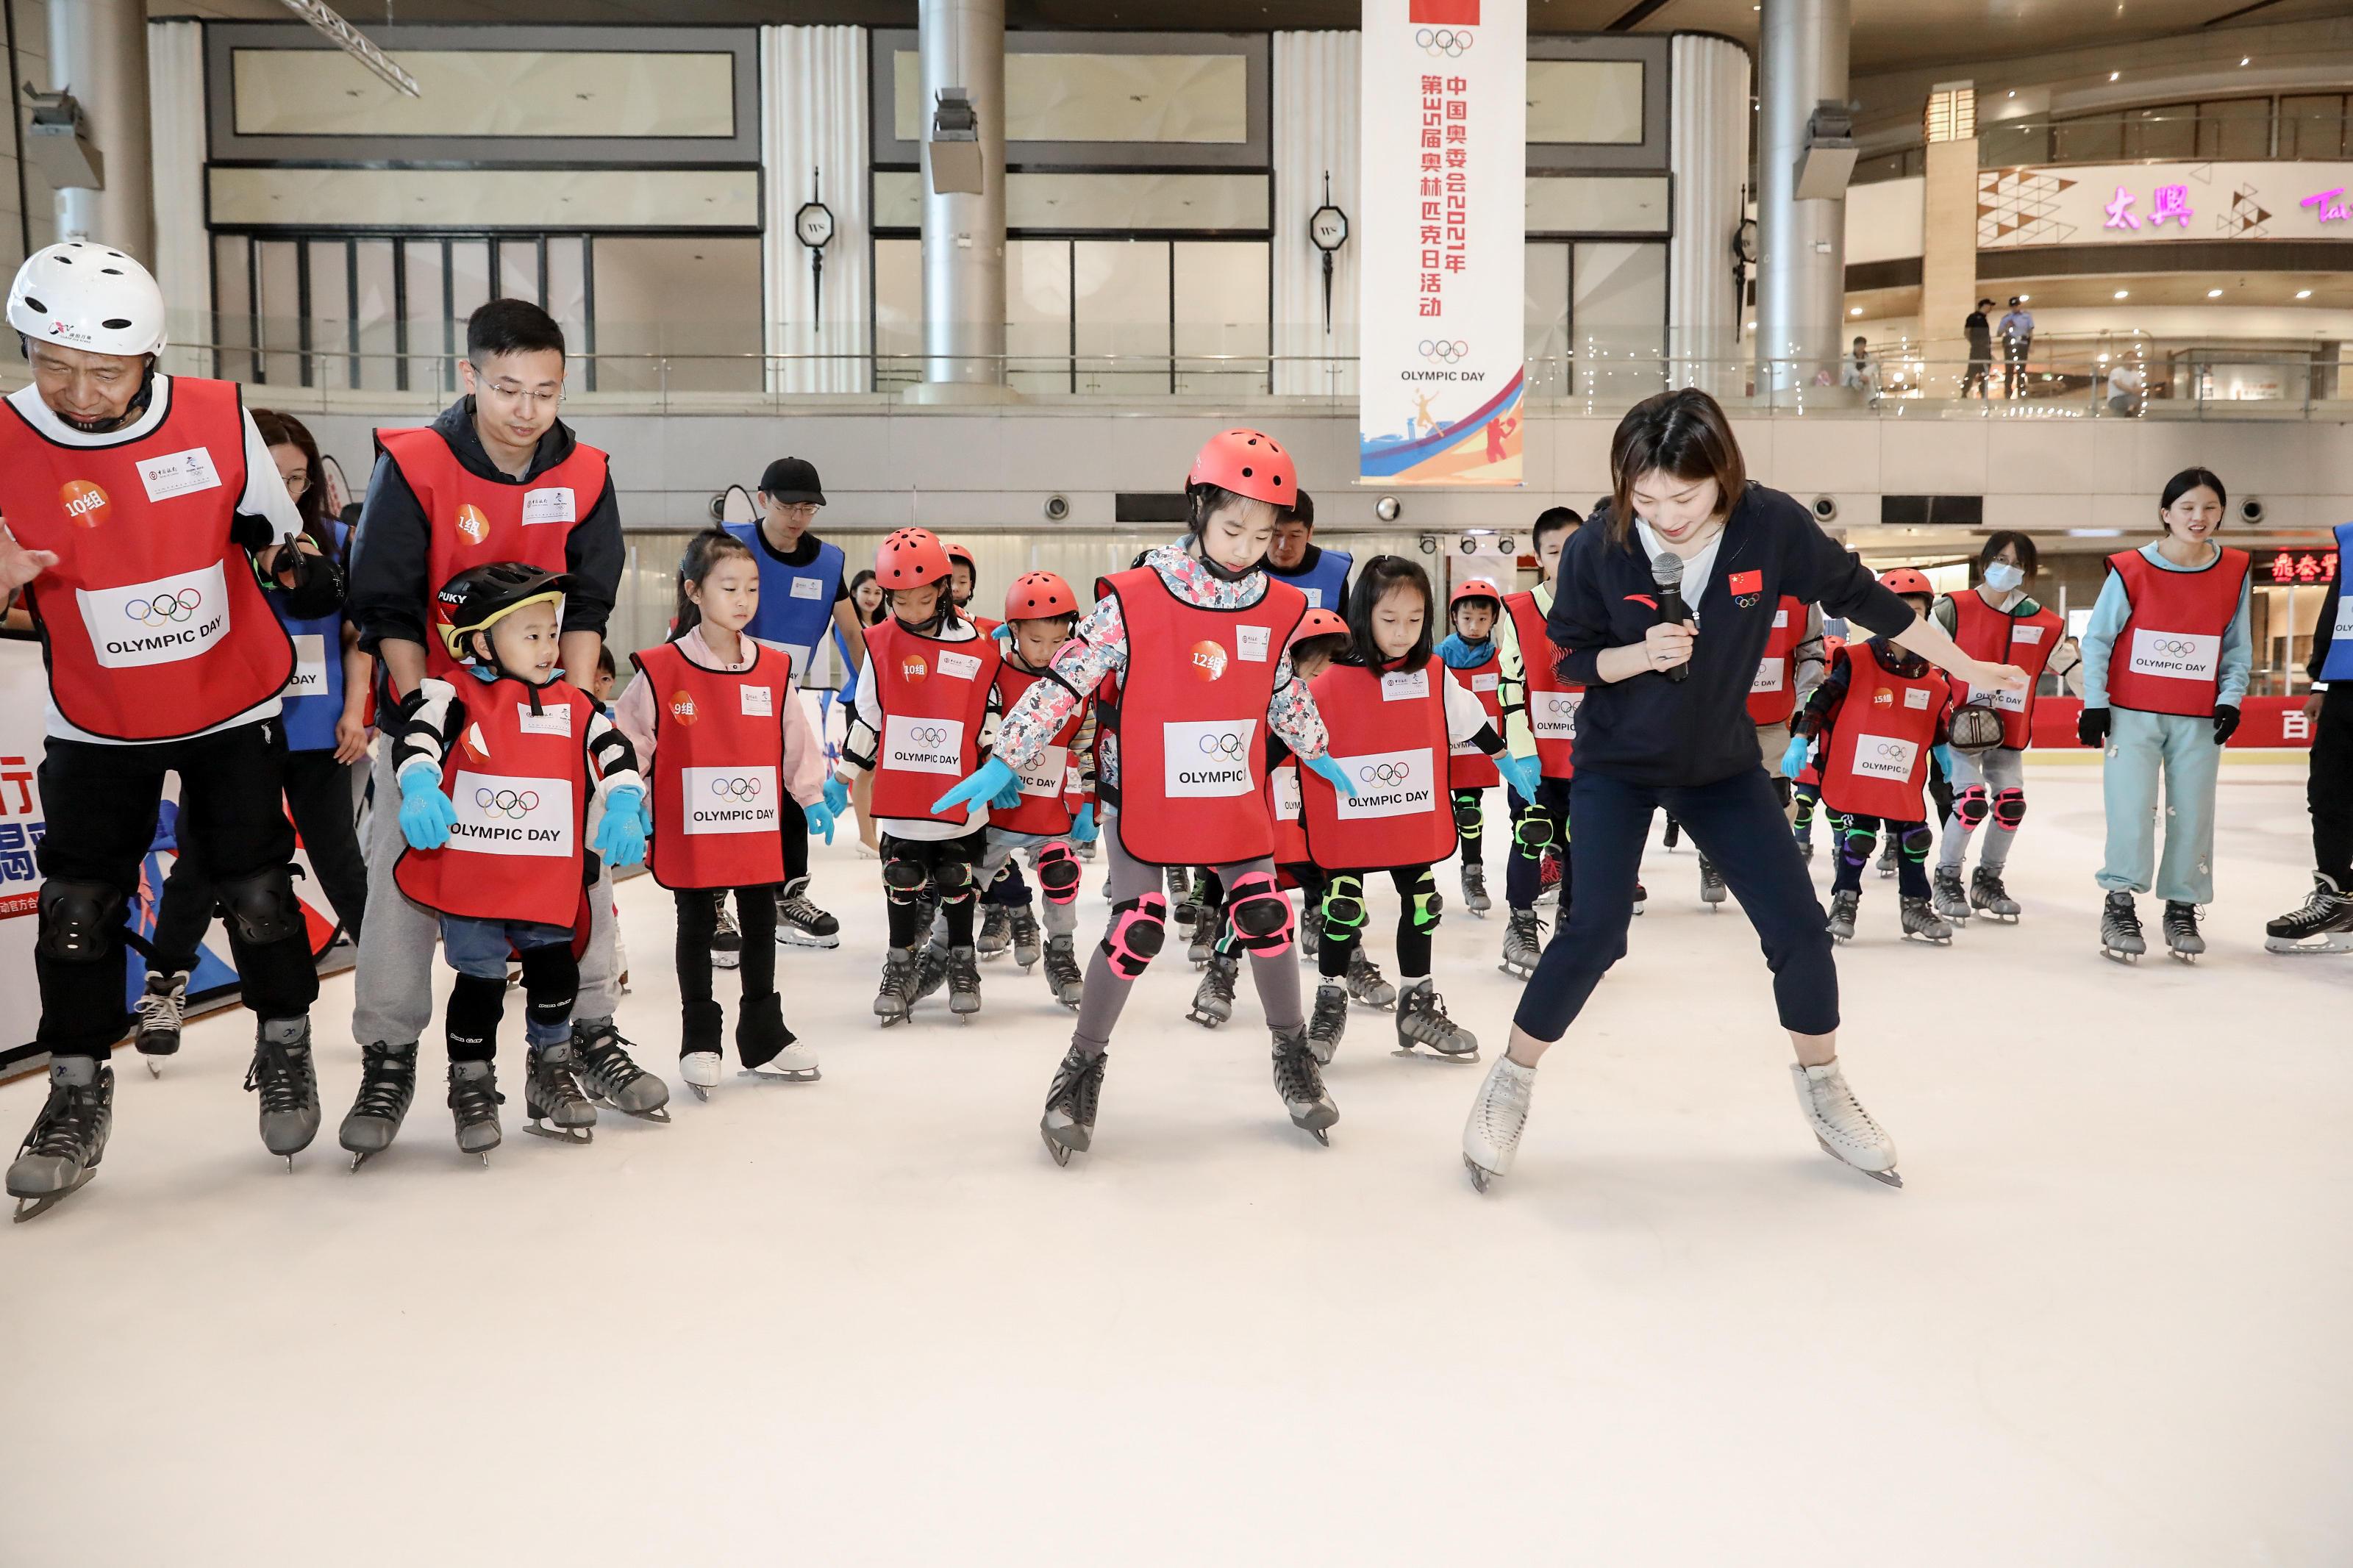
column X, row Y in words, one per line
column 1048, row 783
column 1468, row 767
column 718, row 769
column 1773, row 693
column 1876, row 763
column 153, row 624
column 934, row 695
column 1552, row 702
column 1285, row 805
column 2026, row 641
column 1388, row 731
column 520, row 781
column 2167, row 657
column 1192, row 710
column 473, row 521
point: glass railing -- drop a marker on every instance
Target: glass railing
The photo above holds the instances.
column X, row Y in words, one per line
column 2230, row 131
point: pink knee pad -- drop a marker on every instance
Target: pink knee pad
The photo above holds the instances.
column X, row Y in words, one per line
column 2010, row 808
column 1057, row 873
column 1971, row 806
column 1258, row 914
column 1138, row 926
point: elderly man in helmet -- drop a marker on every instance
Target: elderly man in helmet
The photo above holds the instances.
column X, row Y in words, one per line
column 144, row 524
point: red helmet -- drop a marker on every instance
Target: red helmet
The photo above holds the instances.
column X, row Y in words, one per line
column 1474, row 588
column 1317, row 623
column 1904, row 580
column 1248, row 464
column 964, row 553
column 910, row 558
column 1039, row 596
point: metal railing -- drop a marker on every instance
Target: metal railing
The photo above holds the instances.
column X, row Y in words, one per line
column 2169, row 133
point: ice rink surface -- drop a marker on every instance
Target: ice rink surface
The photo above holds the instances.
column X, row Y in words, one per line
column 869, row 1321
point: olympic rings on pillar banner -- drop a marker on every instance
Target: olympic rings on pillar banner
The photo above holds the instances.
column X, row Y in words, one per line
column 1451, row 42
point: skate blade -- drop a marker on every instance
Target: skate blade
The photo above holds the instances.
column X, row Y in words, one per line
column 726, row 960
column 700, row 1092
column 763, row 1075
column 1885, row 1178
column 2118, row 956
column 1480, row 1175
column 561, row 1134
column 2184, row 957
column 1206, row 1020
column 2288, row 945
column 154, row 1066
column 27, row 1208
column 805, row 939
column 1322, row 1136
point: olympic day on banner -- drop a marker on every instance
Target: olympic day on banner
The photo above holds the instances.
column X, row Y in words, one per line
column 1442, row 358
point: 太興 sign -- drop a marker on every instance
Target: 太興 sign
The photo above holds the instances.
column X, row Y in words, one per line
column 2142, row 204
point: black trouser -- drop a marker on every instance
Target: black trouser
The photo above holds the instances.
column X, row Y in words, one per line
column 910, row 906
column 1536, row 826
column 2329, row 789
column 1736, row 823
column 698, row 922
column 1859, row 835
column 101, row 802
column 1417, row 891
column 1471, row 822
column 319, row 798
column 796, row 830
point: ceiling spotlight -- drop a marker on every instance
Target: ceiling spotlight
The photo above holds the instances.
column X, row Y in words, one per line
column 2013, row 92
column 2244, row 59
column 1854, row 311
column 2114, row 76
column 2123, row 293
column 2304, row 293
column 2024, row 298
column 2213, row 293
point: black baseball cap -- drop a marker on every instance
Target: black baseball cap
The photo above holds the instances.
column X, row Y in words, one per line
column 792, row 480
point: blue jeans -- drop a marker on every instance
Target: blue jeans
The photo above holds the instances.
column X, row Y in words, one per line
column 479, row 948
column 1737, row 824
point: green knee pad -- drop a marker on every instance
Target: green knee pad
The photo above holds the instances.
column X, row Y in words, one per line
column 1343, row 906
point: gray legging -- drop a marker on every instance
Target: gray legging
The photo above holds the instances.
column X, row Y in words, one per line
column 1276, row 975
column 1997, row 769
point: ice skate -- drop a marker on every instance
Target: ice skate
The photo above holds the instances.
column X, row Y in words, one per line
column 1475, row 888
column 1069, row 1125
column 1922, row 922
column 553, row 1097
column 1805, row 837
column 698, row 1047
column 898, row 992
column 1025, row 938
column 1548, row 878
column 160, row 1010
column 1952, row 903
column 800, row 923
column 726, row 937
column 1366, row 984
column 996, row 938
column 1311, row 932
column 767, row 1050
column 1642, row 898
column 1491, row 1138
column 1204, row 944
column 1886, row 867
column 2325, row 923
column 963, row 983
column 1421, row 1020
column 600, row 1057
column 1185, row 903
column 1710, row 884
column 1523, row 943
column 1063, row 972
column 1328, row 1022
column 701, row 1071
column 1301, row 1086
column 283, row 1076
column 68, row 1138
column 1843, row 907
column 931, row 972
column 1085, row 848
column 2181, row 938
column 2120, row 937
column 1988, row 897
column 1213, row 999
column 474, row 1101
column 1842, row 1126
column 387, row 1085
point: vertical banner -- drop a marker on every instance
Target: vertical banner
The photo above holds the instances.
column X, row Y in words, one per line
column 1443, row 174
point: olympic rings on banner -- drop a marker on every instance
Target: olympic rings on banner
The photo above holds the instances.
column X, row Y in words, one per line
column 1451, row 42
column 1443, row 350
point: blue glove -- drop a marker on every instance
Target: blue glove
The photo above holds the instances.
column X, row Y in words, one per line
column 1004, row 632
column 1521, row 774
column 988, row 783
column 836, row 795
column 1324, row 768
column 425, row 814
column 1082, row 827
column 821, row 819
column 1793, row 761
column 621, row 837
column 1006, row 799
column 1944, row 756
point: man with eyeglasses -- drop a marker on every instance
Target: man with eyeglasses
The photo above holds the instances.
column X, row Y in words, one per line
column 497, row 478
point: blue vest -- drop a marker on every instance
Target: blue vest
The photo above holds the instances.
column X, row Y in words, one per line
column 2338, row 665
column 1327, row 586
column 314, row 700
column 795, row 602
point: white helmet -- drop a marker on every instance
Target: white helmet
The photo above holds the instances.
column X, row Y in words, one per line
column 84, row 295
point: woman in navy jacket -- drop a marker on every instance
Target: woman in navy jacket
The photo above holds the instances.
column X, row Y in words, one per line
column 1646, row 742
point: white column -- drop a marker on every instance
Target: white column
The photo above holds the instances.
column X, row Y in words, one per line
column 962, row 43
column 1801, row 269
column 1315, row 109
column 1708, row 129
column 98, row 52
column 814, row 135
column 184, row 252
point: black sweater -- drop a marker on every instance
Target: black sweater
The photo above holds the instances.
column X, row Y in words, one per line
column 1649, row 730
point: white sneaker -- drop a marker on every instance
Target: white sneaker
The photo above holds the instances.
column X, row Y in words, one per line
column 1842, row 1126
column 700, row 1069
column 795, row 1064
column 1492, row 1136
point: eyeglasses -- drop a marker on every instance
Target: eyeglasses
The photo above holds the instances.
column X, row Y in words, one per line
column 514, row 392
column 296, row 482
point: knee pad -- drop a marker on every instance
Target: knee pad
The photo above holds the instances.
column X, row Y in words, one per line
column 475, row 1004
column 903, row 879
column 1138, row 926
column 1916, row 842
column 551, row 982
column 263, row 906
column 1468, row 818
column 1424, row 905
column 1343, row 906
column 1971, row 805
column 80, row 923
column 1533, row 832
column 1057, row 873
column 1856, row 843
column 1258, row 914
column 1806, row 802
column 2010, row 808
column 953, row 879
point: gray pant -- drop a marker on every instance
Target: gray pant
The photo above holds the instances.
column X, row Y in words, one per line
column 392, row 986
column 1276, row 975
column 1997, row 769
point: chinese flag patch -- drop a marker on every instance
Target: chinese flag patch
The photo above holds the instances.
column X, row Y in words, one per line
column 1745, row 583
column 1444, row 13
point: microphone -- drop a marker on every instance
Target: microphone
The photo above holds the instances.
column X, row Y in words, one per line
column 1667, row 572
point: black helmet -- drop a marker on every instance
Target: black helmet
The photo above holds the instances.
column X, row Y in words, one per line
column 480, row 598
column 790, row 480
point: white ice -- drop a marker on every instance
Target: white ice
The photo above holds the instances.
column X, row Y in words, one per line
column 869, row 1321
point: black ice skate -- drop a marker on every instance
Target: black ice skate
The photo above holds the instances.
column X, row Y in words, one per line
column 68, row 1138
column 1421, row 1020
column 387, row 1085
column 1523, row 943
column 1025, row 939
column 897, row 996
column 283, row 1073
column 2181, row 938
column 726, row 937
column 474, row 1101
column 2120, row 937
column 931, row 972
column 995, row 931
column 1887, row 857
column 1063, row 972
column 2325, row 923
column 800, row 923
column 1475, row 888
column 1213, row 999
column 1301, row 1086
column 1843, row 907
column 1710, row 884
column 161, row 1009
column 553, row 1097
column 1988, row 897
column 600, row 1057
column 1069, row 1125
column 963, row 983
column 1311, row 932
column 1951, row 901
column 1366, row 984
column 1328, row 1023
column 1922, row 922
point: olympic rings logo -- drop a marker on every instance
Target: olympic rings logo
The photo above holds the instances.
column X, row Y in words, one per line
column 737, row 787
column 1443, row 351
column 1384, row 774
column 1897, row 749
column 1451, row 42
column 1229, row 746
column 927, row 734
column 165, row 609
column 507, row 803
column 2175, row 645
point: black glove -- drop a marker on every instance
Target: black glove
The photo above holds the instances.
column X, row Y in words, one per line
column 2091, row 728
column 2226, row 724
column 317, row 588
column 251, row 531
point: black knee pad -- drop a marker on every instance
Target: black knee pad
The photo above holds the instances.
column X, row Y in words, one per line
column 263, row 906
column 1918, row 841
column 1468, row 818
column 1971, row 806
column 1855, row 842
column 1533, row 834
column 1138, row 929
column 2010, row 808
column 903, row 879
column 551, row 982
column 954, row 878
column 80, row 923
column 471, row 1023
column 1343, row 906
column 1058, row 872
column 1260, row 914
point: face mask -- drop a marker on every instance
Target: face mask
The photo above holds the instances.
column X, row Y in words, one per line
column 2001, row 576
